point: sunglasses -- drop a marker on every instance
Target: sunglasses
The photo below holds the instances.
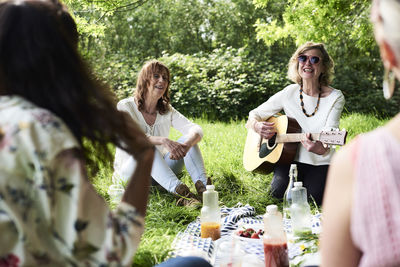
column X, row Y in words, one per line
column 304, row 58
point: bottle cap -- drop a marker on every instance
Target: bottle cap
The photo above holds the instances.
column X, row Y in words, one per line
column 210, row 187
column 298, row 184
column 272, row 209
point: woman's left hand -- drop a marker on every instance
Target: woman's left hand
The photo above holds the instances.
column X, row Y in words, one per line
column 180, row 152
column 314, row 146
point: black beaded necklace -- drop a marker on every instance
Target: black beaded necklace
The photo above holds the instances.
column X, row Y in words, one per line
column 302, row 103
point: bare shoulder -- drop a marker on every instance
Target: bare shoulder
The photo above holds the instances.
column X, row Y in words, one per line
column 340, row 175
column 337, row 248
column 393, row 126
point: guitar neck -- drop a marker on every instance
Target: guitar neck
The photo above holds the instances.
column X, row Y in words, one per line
column 295, row 137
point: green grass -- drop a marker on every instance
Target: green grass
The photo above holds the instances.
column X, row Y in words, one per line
column 222, row 149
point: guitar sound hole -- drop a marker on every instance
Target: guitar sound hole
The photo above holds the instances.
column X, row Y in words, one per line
column 267, row 147
column 271, row 142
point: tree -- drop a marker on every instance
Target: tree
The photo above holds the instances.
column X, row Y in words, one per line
column 338, row 23
column 90, row 15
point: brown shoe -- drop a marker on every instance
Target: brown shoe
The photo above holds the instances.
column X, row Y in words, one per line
column 209, row 182
column 200, row 188
column 185, row 197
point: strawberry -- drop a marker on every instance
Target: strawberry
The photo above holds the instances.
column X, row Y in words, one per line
column 250, row 230
column 246, row 234
column 255, row 235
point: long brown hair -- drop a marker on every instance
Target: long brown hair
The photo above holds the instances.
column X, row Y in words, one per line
column 39, row 61
column 143, row 82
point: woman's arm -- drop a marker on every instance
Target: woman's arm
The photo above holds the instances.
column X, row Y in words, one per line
column 137, row 144
column 333, row 119
column 263, row 128
column 337, row 248
column 84, row 221
column 258, row 116
column 137, row 190
column 187, row 128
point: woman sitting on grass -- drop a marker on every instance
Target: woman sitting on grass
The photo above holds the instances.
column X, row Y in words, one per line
column 50, row 214
column 49, row 103
column 151, row 109
column 362, row 200
column 315, row 105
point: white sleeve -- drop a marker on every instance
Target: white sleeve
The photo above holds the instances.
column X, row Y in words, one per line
column 183, row 125
column 333, row 119
column 272, row 106
column 126, row 106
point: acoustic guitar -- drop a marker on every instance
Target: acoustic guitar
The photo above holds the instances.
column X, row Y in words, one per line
column 260, row 155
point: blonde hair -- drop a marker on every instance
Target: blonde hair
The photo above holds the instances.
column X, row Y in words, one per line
column 389, row 11
column 326, row 76
column 143, row 82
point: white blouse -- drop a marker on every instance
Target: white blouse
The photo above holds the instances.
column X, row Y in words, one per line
column 326, row 118
column 161, row 127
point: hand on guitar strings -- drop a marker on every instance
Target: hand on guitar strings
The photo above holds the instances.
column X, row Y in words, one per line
column 265, row 129
column 316, row 147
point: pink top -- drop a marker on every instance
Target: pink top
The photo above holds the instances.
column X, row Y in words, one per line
column 375, row 220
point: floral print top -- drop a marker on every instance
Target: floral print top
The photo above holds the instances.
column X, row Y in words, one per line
column 50, row 214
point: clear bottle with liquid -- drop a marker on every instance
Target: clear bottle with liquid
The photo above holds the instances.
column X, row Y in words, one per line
column 274, row 239
column 287, row 197
column 300, row 210
column 230, row 254
column 210, row 215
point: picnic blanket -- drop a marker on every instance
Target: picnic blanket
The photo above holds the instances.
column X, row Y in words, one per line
column 189, row 242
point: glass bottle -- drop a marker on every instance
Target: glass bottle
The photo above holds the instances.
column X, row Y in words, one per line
column 287, row 197
column 210, row 216
column 274, row 239
column 300, row 210
column 230, row 254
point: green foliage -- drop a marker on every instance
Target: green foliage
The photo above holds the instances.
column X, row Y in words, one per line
column 356, row 123
column 224, row 84
column 147, row 28
column 228, row 82
column 219, row 69
column 336, row 22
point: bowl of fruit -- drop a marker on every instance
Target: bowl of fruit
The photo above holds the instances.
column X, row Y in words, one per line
column 249, row 233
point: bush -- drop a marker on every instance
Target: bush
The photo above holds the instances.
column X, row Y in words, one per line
column 227, row 83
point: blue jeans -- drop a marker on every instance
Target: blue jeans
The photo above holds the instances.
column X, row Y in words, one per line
column 185, row 262
column 165, row 170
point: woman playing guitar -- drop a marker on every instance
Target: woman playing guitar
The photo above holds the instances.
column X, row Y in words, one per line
column 316, row 107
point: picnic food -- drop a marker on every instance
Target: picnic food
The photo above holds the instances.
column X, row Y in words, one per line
column 210, row 229
column 250, row 233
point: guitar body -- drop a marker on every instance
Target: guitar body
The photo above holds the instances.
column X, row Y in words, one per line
column 261, row 155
